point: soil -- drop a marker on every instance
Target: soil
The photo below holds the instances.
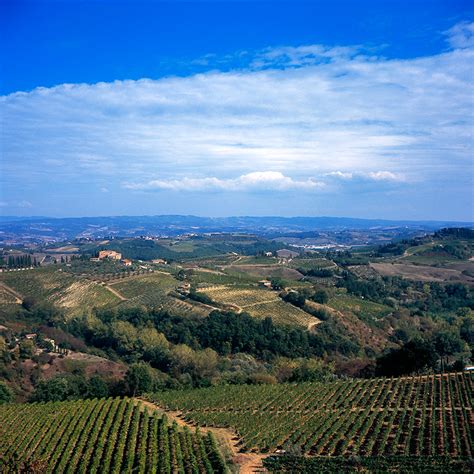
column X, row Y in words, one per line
column 422, row 272
column 115, row 292
column 15, row 294
column 246, row 463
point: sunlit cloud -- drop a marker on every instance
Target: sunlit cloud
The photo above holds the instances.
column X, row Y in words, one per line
column 257, row 181
column 290, row 118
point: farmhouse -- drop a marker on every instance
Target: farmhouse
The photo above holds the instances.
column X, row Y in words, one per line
column 127, row 262
column 112, row 254
column 265, row 283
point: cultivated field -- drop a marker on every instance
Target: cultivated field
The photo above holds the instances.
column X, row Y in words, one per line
column 94, row 436
column 269, row 271
column 422, row 416
column 423, row 272
column 153, row 290
column 260, row 303
column 69, row 292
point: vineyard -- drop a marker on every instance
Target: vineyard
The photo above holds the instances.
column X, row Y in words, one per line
column 72, row 293
column 421, row 416
column 107, row 435
column 153, row 291
column 260, row 303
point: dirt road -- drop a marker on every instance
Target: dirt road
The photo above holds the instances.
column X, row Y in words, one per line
column 115, row 292
column 15, row 294
column 247, row 463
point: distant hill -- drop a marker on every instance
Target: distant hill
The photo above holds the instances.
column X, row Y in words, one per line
column 172, row 225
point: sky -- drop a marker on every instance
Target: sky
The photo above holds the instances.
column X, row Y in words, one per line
column 342, row 108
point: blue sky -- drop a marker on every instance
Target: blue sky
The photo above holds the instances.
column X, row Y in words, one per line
column 340, row 108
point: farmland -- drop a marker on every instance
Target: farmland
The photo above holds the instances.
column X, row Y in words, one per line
column 422, row 416
column 424, row 272
column 153, row 291
column 67, row 291
column 105, row 435
column 260, row 303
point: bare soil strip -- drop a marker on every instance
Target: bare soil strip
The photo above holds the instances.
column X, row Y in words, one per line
column 115, row 292
column 247, row 463
column 8, row 289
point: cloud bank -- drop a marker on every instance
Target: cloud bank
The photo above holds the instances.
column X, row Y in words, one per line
column 307, row 118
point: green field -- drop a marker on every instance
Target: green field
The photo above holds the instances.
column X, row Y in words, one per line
column 100, row 436
column 422, row 416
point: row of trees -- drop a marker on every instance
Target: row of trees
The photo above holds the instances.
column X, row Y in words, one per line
column 21, row 261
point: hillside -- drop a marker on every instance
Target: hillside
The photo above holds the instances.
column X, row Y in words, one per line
column 106, row 435
column 421, row 416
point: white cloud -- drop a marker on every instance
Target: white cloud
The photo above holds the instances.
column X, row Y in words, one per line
column 340, row 175
column 372, row 175
column 256, row 181
column 385, row 176
column 461, row 35
column 324, row 114
column 291, row 56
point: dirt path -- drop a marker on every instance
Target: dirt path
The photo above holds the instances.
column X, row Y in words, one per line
column 14, row 293
column 260, row 302
column 311, row 326
column 115, row 292
column 247, row 463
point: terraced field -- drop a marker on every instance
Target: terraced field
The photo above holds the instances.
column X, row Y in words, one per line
column 154, row 283
column 93, row 436
column 8, row 297
column 69, row 292
column 312, row 263
column 260, row 303
column 153, row 291
column 421, row 416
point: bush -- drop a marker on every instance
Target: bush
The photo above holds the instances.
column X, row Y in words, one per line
column 6, row 395
column 320, row 296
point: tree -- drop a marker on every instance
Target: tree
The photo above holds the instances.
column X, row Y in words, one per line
column 277, row 284
column 447, row 344
column 6, row 394
column 27, row 349
column 97, row 388
column 320, row 296
column 28, row 303
column 414, row 356
column 140, row 378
